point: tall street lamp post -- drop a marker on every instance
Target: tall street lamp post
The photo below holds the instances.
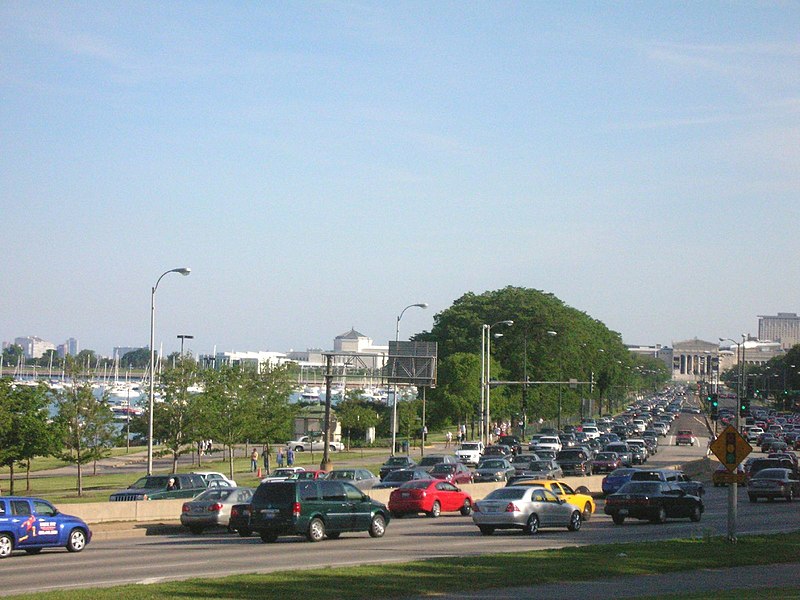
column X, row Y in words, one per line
column 394, row 368
column 486, row 373
column 183, row 271
column 184, row 337
column 741, row 392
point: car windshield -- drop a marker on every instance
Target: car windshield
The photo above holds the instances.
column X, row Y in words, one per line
column 606, row 456
column 540, row 465
column 429, row 461
column 493, row 464
column 771, row 474
column 508, row 493
column 341, row 475
column 640, row 487
column 149, row 483
column 400, row 476
column 416, row 484
column 570, row 455
column 396, row 460
column 469, row 446
column 215, row 494
column 443, row 468
column 305, row 475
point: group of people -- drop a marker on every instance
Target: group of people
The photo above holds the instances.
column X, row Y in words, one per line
column 289, row 455
column 461, row 435
column 205, row 447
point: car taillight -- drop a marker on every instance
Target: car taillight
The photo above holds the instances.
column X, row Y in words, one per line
column 234, row 512
column 216, row 507
column 512, row 507
column 418, row 493
column 185, row 508
column 296, row 509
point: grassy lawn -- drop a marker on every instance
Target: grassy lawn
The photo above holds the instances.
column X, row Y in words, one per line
column 438, row 576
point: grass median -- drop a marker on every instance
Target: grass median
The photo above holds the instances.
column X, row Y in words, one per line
column 439, row 576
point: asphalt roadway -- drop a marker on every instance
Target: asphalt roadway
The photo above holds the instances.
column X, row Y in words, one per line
column 175, row 555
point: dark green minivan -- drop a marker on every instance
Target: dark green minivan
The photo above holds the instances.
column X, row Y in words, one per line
column 315, row 508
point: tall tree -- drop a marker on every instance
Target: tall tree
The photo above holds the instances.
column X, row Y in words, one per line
column 175, row 419
column 85, row 425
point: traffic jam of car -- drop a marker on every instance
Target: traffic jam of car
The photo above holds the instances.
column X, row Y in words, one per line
column 530, row 491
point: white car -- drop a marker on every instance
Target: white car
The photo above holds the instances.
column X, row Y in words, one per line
column 591, row 431
column 470, row 453
column 305, row 443
column 282, row 474
column 548, row 442
column 216, row 479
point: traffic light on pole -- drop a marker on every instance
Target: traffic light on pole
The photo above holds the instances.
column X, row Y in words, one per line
column 714, row 406
column 744, row 407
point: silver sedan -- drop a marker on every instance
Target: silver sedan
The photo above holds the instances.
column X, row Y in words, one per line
column 526, row 508
column 212, row 508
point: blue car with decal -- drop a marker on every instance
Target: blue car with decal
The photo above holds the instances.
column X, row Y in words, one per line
column 31, row 524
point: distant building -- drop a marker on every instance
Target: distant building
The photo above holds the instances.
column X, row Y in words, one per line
column 783, row 328
column 756, row 352
column 695, row 360
column 360, row 346
column 256, row 360
column 68, row 348
column 33, row 346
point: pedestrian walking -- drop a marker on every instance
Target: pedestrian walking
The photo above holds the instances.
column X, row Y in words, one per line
column 254, row 461
column 289, row 457
column 447, row 439
column 279, row 457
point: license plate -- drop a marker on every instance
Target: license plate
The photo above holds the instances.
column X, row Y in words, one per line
column 405, row 494
column 269, row 513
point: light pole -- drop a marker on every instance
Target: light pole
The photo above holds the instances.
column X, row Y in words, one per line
column 394, row 368
column 183, row 271
column 487, row 374
column 184, row 337
column 741, row 391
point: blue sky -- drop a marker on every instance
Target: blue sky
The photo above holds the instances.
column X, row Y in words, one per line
column 322, row 165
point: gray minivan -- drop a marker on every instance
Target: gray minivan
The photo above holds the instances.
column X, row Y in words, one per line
column 315, row 508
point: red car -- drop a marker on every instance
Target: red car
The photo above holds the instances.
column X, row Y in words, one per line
column 454, row 473
column 431, row 496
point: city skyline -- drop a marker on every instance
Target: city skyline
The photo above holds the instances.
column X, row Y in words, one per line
column 319, row 166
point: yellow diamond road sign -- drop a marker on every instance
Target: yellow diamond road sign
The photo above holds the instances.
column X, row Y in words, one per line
column 730, row 448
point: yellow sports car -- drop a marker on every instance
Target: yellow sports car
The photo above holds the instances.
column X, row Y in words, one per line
column 579, row 497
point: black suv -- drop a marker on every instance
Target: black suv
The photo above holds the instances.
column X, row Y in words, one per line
column 156, row 487
column 574, row 461
column 315, row 508
column 395, row 463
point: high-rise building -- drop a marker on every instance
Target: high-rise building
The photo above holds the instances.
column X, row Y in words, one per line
column 33, row 346
column 783, row 328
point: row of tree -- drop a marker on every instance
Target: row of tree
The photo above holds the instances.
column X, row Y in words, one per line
column 776, row 382
column 547, row 342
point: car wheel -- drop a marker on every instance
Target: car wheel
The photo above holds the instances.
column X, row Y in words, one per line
column 587, row 512
column 299, row 449
column 378, row 526
column 618, row 519
column 532, row 527
column 696, row 514
column 332, row 448
column 245, row 533
column 661, row 517
column 196, row 529
column 269, row 538
column 486, row 529
column 436, row 510
column 575, row 521
column 466, row 510
column 316, row 530
column 33, row 550
column 77, row 540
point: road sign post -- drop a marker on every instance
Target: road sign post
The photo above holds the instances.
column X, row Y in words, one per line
column 731, row 449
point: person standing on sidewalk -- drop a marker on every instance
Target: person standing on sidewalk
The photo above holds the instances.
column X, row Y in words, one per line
column 289, row 457
column 279, row 456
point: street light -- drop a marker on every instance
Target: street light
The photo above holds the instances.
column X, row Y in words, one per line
column 486, row 371
column 184, row 337
column 394, row 368
column 183, row 271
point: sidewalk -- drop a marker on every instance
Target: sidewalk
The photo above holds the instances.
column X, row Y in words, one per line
column 754, row 577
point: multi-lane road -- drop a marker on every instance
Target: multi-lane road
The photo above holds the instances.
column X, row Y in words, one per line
column 181, row 556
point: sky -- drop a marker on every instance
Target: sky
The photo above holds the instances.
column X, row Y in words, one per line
column 322, row 165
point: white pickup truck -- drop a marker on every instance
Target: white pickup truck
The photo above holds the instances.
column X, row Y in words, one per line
column 470, row 453
column 304, row 443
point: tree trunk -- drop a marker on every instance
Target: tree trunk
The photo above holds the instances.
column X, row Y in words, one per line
column 11, row 479
column 28, row 475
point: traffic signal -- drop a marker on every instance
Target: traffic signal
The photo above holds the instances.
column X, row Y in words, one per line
column 714, row 406
column 744, row 407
